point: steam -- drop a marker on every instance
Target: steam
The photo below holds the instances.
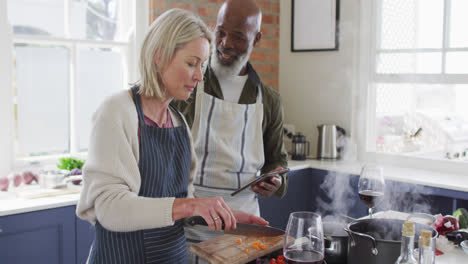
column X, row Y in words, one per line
column 405, row 198
column 339, row 195
column 348, row 148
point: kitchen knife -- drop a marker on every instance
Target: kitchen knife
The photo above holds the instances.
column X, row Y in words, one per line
column 242, row 229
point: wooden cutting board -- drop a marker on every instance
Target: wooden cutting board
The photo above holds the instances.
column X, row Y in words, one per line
column 226, row 250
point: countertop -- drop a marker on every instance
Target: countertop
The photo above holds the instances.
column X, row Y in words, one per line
column 456, row 256
column 10, row 204
column 448, row 181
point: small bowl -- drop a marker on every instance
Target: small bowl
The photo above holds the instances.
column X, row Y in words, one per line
column 464, row 245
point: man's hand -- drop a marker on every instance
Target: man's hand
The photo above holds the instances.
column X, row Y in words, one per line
column 269, row 186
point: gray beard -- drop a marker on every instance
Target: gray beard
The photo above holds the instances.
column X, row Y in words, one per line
column 228, row 72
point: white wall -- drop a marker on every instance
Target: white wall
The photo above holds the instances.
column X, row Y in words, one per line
column 318, row 87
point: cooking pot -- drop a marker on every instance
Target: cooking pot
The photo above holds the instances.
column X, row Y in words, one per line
column 336, row 242
column 377, row 241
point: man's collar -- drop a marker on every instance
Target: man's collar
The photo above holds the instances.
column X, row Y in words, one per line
column 253, row 76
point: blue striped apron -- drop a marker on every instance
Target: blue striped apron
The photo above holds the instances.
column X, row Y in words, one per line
column 164, row 168
column 228, row 140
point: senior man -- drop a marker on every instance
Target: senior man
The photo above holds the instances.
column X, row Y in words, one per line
column 236, row 120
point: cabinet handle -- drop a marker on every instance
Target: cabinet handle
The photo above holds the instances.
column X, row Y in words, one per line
column 1, row 230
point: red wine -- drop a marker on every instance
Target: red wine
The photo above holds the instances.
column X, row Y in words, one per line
column 303, row 256
column 371, row 198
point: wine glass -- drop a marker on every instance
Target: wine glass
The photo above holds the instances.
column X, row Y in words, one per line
column 304, row 242
column 371, row 186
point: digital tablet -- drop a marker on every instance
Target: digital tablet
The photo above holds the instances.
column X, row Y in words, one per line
column 259, row 179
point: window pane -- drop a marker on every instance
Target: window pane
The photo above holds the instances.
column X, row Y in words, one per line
column 458, row 22
column 439, row 111
column 420, row 62
column 461, row 97
column 99, row 74
column 42, row 98
column 95, row 19
column 411, row 24
column 457, row 62
column 394, row 99
column 45, row 17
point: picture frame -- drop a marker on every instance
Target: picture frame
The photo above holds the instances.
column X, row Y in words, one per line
column 314, row 25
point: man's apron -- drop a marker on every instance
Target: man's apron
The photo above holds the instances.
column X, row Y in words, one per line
column 228, row 142
column 164, row 168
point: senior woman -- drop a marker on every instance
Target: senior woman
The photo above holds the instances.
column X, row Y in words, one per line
column 141, row 161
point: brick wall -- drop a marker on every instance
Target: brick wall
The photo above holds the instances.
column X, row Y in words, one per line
column 265, row 57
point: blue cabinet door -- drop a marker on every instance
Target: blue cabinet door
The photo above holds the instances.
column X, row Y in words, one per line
column 303, row 190
column 84, row 238
column 41, row 237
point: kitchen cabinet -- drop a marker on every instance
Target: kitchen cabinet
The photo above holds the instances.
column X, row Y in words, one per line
column 46, row 236
column 330, row 193
column 303, row 188
column 84, row 238
column 41, row 237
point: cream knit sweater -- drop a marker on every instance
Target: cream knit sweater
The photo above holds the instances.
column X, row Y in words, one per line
column 111, row 175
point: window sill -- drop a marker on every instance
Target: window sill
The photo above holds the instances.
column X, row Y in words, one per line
column 41, row 162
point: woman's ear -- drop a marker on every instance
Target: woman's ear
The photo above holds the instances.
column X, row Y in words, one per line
column 157, row 57
column 158, row 61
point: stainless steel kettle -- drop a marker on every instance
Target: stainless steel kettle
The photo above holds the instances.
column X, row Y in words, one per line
column 327, row 147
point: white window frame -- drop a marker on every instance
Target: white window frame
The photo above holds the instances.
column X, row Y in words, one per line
column 8, row 161
column 364, row 116
column 6, row 94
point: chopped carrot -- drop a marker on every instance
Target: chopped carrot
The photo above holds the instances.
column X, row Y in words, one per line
column 239, row 240
column 263, row 246
column 255, row 246
column 246, row 250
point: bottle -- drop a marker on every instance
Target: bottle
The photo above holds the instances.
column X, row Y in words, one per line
column 426, row 253
column 407, row 244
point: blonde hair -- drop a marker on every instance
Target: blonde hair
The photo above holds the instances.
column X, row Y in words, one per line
column 171, row 31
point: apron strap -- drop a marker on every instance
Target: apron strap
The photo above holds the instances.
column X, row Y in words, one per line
column 137, row 100
column 200, row 88
column 179, row 114
column 260, row 94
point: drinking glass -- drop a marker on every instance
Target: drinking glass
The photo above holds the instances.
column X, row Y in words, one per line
column 371, row 186
column 304, row 242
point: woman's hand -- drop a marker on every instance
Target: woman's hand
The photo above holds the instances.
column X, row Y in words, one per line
column 214, row 210
column 246, row 218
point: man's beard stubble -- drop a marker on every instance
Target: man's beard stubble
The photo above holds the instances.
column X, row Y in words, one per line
column 228, row 72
